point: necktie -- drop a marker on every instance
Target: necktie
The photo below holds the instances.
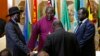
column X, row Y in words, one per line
column 78, row 26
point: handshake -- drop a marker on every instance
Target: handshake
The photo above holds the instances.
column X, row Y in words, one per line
column 35, row 53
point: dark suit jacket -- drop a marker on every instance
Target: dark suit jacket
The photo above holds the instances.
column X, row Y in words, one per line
column 61, row 43
column 85, row 35
column 15, row 40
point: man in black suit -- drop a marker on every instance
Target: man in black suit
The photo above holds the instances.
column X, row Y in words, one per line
column 14, row 38
column 60, row 43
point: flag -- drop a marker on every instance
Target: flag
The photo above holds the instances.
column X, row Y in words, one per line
column 52, row 3
column 76, row 8
column 99, row 14
column 65, row 16
column 55, row 7
column 38, row 9
column 34, row 20
column 99, row 10
column 89, row 10
column 27, row 25
column 82, row 3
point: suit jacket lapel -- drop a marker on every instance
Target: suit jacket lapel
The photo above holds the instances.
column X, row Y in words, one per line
column 81, row 27
column 16, row 27
column 18, row 32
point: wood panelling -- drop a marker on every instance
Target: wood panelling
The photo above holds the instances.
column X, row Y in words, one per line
column 3, row 9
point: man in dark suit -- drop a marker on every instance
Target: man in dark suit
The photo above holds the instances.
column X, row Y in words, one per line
column 60, row 43
column 14, row 38
column 85, row 33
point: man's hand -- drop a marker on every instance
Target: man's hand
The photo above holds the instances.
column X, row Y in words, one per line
column 36, row 48
column 43, row 53
column 33, row 53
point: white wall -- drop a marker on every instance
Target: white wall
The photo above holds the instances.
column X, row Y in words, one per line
column 2, row 43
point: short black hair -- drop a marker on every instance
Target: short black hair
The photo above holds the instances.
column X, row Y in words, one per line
column 57, row 22
column 85, row 11
column 6, row 50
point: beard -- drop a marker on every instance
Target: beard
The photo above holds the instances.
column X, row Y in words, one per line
column 49, row 18
column 17, row 18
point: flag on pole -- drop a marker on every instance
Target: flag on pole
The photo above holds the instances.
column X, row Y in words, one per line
column 55, row 7
column 99, row 14
column 27, row 25
column 82, row 3
column 89, row 10
column 65, row 16
column 53, row 3
column 38, row 9
column 76, row 8
column 34, row 20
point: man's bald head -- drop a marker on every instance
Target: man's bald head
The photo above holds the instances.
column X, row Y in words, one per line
column 49, row 8
column 50, row 12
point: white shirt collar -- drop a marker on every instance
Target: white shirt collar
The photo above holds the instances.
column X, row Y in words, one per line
column 84, row 20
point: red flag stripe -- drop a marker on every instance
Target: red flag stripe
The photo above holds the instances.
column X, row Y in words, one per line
column 34, row 20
